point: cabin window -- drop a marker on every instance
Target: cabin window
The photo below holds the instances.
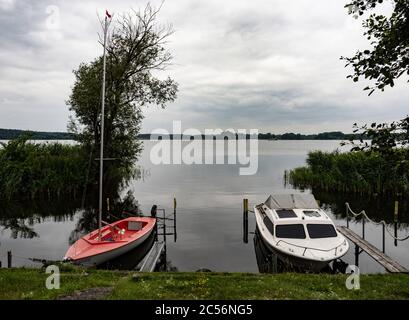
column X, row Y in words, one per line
column 321, row 231
column 284, row 213
column 269, row 225
column 311, row 213
column 290, row 231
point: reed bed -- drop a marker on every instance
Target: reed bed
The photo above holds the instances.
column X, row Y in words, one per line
column 363, row 172
column 29, row 171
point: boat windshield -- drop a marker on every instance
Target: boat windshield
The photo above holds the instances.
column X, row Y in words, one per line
column 269, row 225
column 290, row 231
column 321, row 231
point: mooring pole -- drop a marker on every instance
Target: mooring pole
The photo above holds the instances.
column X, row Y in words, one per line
column 164, row 227
column 395, row 219
column 174, row 219
column 383, row 238
column 347, row 213
column 9, row 259
column 154, row 213
column 245, row 220
column 396, row 234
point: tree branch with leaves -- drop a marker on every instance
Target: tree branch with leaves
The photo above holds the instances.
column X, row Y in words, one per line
column 388, row 58
column 136, row 53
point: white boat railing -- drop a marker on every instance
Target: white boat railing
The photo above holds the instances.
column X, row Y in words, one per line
column 309, row 248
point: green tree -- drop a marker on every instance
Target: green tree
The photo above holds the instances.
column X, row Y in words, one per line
column 388, row 57
column 386, row 61
column 135, row 53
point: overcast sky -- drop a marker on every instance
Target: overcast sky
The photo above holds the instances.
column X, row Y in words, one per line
column 267, row 64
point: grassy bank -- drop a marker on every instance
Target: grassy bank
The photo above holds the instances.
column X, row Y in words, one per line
column 361, row 173
column 30, row 284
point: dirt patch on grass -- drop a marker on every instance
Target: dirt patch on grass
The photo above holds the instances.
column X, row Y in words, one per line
column 89, row 294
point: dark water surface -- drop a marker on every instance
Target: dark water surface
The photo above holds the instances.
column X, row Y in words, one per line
column 209, row 212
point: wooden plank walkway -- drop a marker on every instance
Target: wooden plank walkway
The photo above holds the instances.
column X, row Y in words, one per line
column 388, row 263
column 149, row 262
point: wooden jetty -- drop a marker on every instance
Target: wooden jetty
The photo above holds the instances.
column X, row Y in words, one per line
column 151, row 259
column 388, row 263
column 148, row 264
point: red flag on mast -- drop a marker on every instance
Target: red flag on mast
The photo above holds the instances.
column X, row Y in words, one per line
column 107, row 14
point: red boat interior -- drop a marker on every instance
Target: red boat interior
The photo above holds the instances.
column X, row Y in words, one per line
column 117, row 231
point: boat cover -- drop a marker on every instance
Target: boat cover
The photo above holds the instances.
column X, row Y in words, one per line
column 292, row 201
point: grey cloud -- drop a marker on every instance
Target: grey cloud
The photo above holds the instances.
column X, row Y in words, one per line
column 268, row 64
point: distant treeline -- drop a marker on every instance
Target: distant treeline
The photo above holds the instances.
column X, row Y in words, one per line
column 9, row 134
column 334, row 135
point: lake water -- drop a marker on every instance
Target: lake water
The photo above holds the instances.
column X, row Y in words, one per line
column 209, row 212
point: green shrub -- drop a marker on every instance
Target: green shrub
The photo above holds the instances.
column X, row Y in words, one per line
column 362, row 172
column 30, row 170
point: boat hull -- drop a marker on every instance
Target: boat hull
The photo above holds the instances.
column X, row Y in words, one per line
column 293, row 263
column 130, row 259
column 107, row 256
column 89, row 252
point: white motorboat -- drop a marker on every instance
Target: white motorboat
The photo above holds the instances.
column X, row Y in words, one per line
column 294, row 227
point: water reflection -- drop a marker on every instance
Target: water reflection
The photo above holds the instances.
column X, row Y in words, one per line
column 85, row 224
column 270, row 262
column 267, row 261
column 18, row 228
column 19, row 217
column 377, row 208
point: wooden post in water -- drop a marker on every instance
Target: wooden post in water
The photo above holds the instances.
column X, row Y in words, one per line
column 154, row 212
column 347, row 214
column 9, row 259
column 164, row 227
column 174, row 219
column 245, row 220
column 164, row 237
column 383, row 237
column 395, row 219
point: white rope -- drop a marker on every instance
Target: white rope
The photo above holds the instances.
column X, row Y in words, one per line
column 363, row 213
column 36, row 260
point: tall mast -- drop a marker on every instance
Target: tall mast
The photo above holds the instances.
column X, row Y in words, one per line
column 101, row 158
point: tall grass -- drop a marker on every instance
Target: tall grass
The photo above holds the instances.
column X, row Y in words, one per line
column 361, row 172
column 29, row 171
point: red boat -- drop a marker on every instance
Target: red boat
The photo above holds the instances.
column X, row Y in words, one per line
column 116, row 239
